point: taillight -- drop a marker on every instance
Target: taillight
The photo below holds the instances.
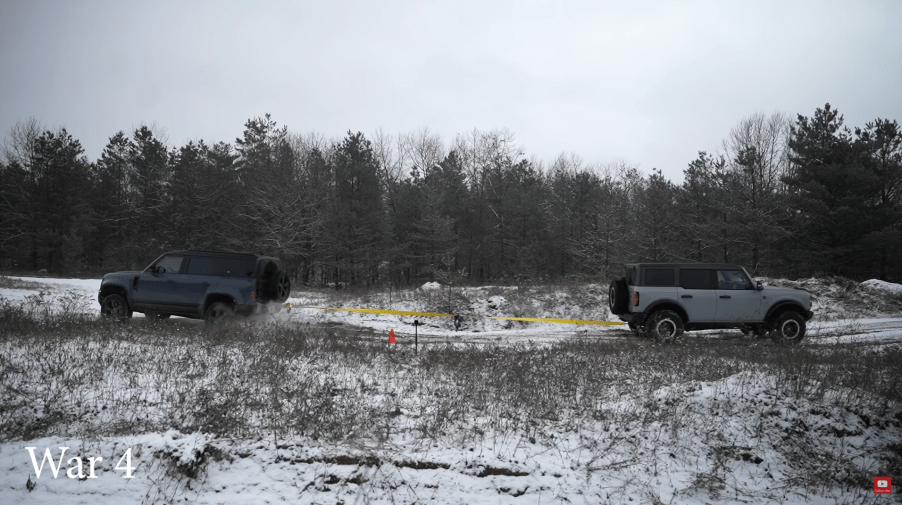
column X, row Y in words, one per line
column 253, row 294
column 635, row 299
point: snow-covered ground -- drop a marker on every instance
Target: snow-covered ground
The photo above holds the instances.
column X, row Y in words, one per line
column 861, row 315
column 51, row 291
column 867, row 313
column 727, row 441
column 739, row 439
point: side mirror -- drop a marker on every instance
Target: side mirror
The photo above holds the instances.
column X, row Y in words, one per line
column 159, row 270
column 758, row 286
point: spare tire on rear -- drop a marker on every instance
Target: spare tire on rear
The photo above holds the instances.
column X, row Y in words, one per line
column 618, row 296
column 278, row 287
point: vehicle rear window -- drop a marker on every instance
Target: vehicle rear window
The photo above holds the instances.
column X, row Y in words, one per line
column 221, row 267
column 733, row 279
column 697, row 279
column 659, row 277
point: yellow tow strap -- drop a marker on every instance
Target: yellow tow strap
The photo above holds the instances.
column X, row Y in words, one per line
column 442, row 314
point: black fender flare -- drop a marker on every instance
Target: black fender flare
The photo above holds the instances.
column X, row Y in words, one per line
column 670, row 305
column 118, row 289
column 217, row 297
column 786, row 305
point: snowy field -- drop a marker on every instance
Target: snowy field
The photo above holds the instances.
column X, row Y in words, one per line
column 869, row 313
column 314, row 406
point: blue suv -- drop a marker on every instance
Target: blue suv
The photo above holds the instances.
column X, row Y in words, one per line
column 212, row 286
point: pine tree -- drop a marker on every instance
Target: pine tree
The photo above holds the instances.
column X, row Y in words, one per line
column 357, row 231
column 882, row 141
column 657, row 219
column 114, row 204
column 834, row 193
column 61, row 200
column 150, row 174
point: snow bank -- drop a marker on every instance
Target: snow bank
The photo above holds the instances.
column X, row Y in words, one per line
column 886, row 286
column 744, row 438
column 56, row 295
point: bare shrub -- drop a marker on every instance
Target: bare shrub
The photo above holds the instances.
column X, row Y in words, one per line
column 88, row 378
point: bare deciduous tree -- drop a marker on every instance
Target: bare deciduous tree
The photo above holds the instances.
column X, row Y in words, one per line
column 19, row 145
column 757, row 154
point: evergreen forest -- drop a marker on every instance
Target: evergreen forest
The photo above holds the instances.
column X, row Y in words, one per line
column 782, row 196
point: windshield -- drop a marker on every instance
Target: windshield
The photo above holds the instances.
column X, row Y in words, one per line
column 148, row 268
column 733, row 279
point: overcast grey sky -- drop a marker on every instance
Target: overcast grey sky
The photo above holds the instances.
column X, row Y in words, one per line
column 651, row 83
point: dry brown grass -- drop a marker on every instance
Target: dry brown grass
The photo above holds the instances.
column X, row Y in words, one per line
column 77, row 376
column 68, row 372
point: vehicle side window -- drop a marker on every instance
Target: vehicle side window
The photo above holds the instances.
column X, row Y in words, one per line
column 233, row 267
column 172, row 264
column 200, row 266
column 697, row 279
column 733, row 279
column 659, row 277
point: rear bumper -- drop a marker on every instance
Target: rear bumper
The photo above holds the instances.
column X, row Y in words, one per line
column 638, row 318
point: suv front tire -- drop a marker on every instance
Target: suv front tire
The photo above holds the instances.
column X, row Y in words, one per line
column 789, row 327
column 115, row 307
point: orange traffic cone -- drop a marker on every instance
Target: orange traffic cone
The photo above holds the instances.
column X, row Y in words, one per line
column 391, row 337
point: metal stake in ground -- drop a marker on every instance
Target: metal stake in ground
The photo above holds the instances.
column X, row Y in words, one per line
column 416, row 322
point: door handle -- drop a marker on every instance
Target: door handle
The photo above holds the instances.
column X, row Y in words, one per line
column 170, row 281
column 724, row 296
column 685, row 296
column 205, row 283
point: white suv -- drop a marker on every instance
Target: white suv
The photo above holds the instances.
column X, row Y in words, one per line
column 662, row 300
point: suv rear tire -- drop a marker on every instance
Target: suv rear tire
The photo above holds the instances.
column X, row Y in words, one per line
column 665, row 326
column 789, row 327
column 618, row 296
column 218, row 313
